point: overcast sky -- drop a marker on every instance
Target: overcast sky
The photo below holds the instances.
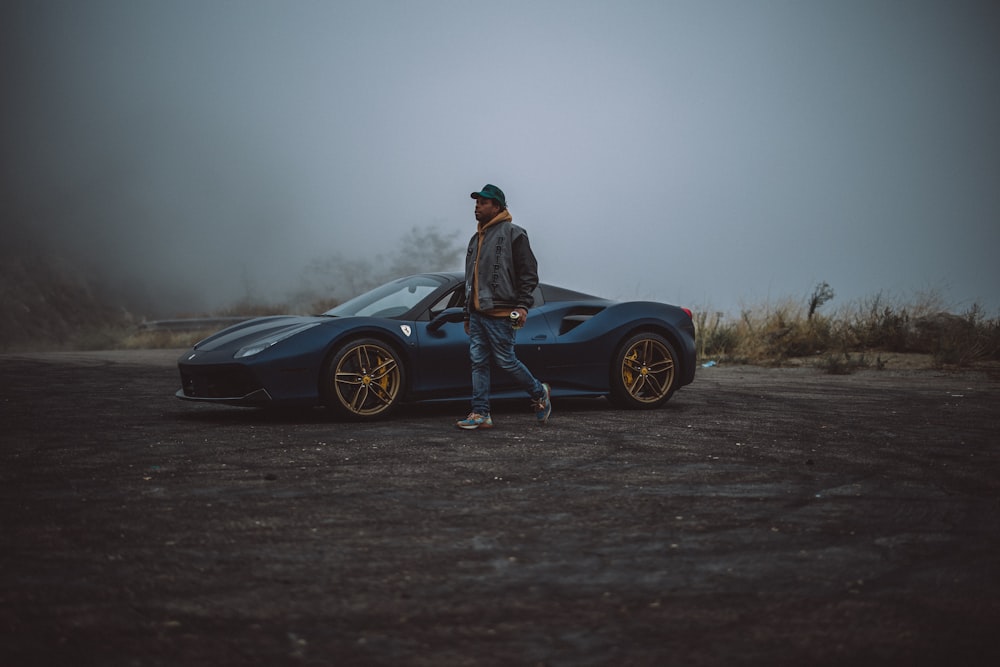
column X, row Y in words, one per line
column 713, row 154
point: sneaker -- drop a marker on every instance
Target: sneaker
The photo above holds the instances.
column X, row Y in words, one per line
column 543, row 406
column 475, row 420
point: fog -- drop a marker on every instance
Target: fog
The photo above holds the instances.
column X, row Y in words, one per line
column 187, row 154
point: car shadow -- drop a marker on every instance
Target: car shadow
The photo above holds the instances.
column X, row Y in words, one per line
column 214, row 414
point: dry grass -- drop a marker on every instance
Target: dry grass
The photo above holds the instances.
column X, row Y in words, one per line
column 863, row 335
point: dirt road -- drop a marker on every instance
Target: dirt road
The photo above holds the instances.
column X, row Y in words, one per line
column 781, row 517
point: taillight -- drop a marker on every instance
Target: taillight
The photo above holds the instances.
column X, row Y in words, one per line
column 688, row 311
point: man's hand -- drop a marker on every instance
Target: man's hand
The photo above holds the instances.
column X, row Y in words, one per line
column 523, row 312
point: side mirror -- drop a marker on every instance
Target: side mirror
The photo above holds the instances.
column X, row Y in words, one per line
column 446, row 316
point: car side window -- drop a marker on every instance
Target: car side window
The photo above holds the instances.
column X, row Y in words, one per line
column 453, row 299
column 456, row 299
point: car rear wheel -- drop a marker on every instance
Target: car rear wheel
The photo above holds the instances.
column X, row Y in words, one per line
column 364, row 380
column 643, row 372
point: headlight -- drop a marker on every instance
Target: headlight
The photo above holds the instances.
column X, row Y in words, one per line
column 259, row 346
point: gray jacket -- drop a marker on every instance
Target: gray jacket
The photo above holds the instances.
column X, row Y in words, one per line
column 507, row 268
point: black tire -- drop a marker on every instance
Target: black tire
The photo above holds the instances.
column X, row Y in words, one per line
column 643, row 372
column 364, row 380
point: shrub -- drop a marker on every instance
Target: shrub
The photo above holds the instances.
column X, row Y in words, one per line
column 877, row 325
column 843, row 363
column 715, row 337
column 961, row 340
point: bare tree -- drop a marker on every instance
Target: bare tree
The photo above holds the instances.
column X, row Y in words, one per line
column 420, row 250
column 821, row 294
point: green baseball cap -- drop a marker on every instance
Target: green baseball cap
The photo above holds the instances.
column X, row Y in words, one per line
column 491, row 192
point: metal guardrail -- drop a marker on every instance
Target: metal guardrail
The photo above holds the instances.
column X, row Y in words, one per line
column 191, row 323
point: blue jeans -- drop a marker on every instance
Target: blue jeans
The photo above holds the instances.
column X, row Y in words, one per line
column 492, row 339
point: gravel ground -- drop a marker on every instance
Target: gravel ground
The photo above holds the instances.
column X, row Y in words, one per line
column 764, row 516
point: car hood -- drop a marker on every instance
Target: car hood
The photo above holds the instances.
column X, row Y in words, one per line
column 245, row 333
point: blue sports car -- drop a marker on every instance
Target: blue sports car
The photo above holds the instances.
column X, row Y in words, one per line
column 405, row 342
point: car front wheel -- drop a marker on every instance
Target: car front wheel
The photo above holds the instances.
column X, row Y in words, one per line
column 364, row 380
column 643, row 372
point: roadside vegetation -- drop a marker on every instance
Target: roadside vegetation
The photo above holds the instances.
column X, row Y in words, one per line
column 45, row 307
column 840, row 340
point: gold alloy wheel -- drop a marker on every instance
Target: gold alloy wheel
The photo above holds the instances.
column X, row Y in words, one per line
column 648, row 370
column 367, row 379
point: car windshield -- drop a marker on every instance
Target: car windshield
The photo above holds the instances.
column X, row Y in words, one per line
column 390, row 300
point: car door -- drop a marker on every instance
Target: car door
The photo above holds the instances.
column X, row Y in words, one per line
column 441, row 367
column 530, row 343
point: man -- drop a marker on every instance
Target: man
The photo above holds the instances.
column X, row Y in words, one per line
column 500, row 274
